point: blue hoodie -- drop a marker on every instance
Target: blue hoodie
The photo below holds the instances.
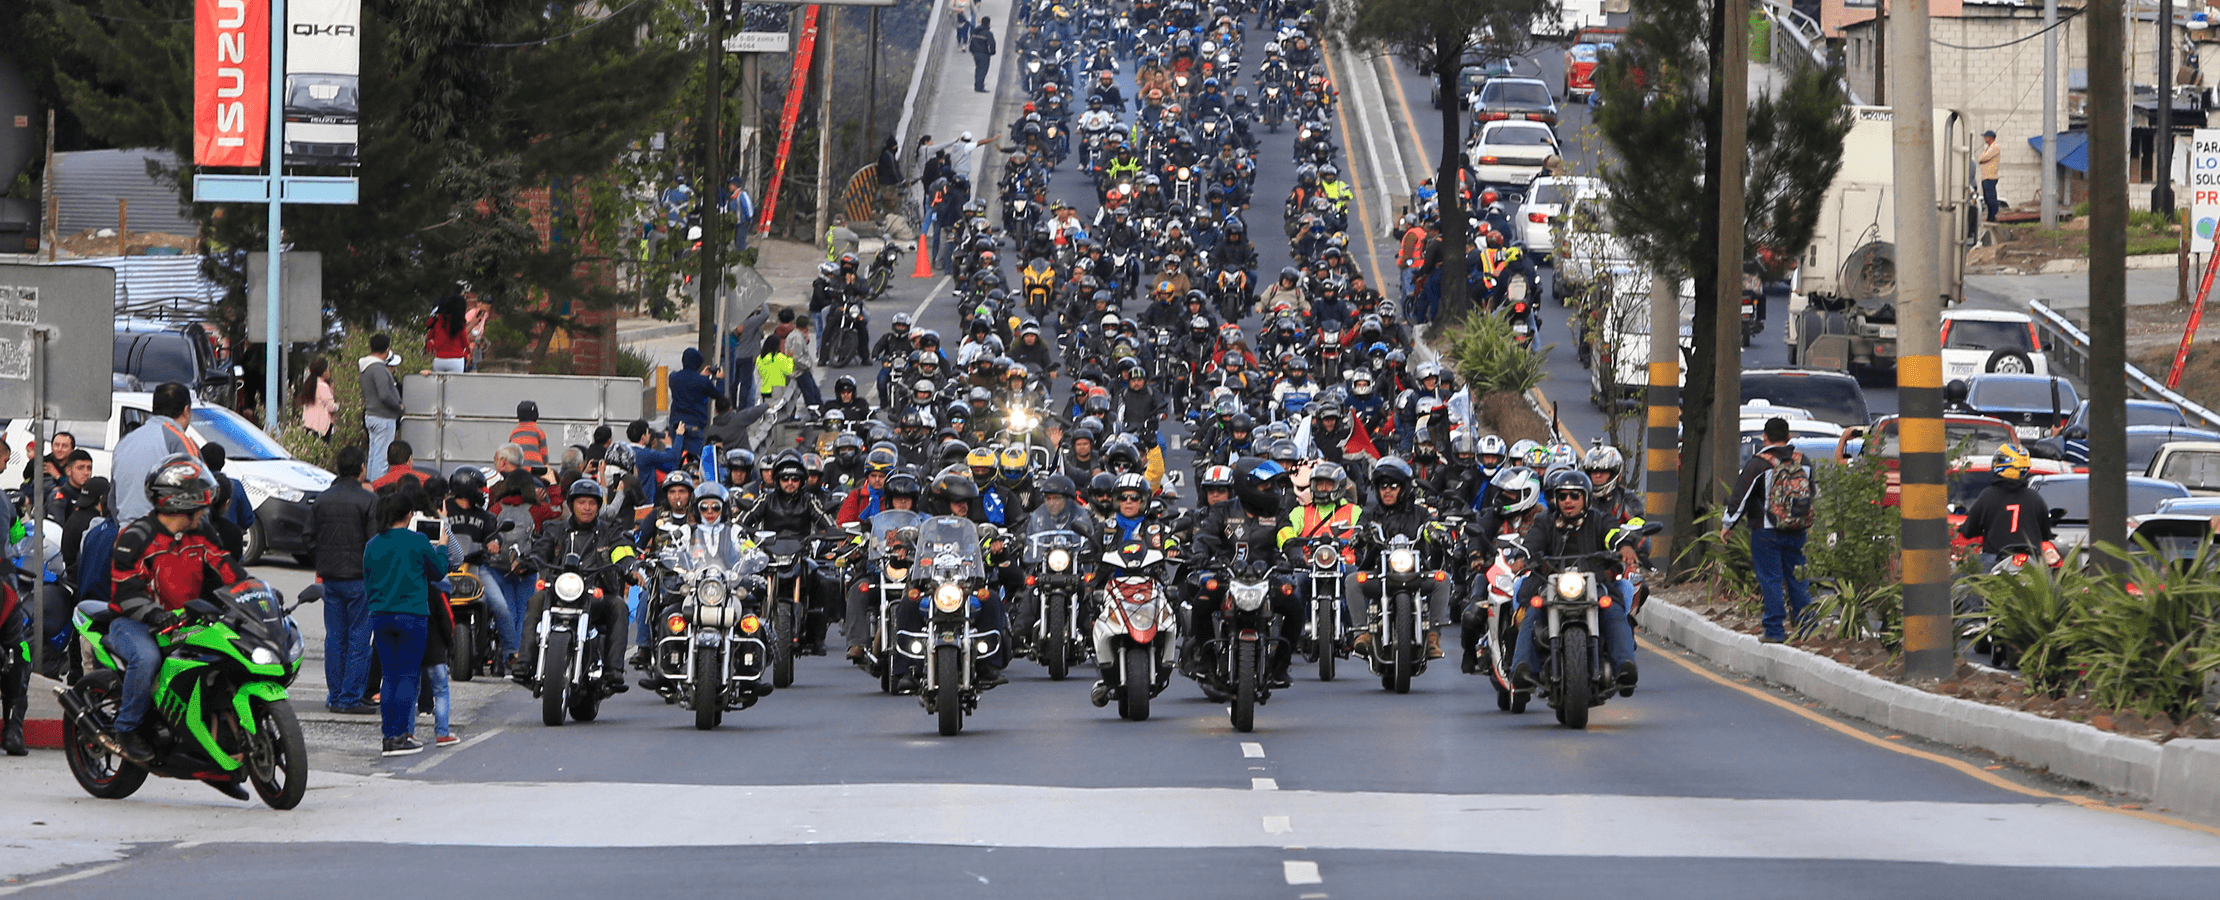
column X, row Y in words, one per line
column 692, row 391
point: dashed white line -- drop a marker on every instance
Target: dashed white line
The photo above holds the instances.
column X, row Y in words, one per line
column 1277, row 825
column 1300, row 871
column 1252, row 750
column 919, row 312
column 1264, row 784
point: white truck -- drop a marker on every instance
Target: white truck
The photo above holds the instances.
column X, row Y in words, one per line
column 1618, row 355
column 1842, row 309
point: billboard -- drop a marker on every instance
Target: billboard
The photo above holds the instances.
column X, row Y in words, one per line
column 323, row 81
column 231, row 81
column 2204, row 188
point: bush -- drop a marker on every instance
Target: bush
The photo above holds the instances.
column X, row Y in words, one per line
column 1489, row 359
column 2144, row 640
column 633, row 364
column 1721, row 563
column 346, row 385
column 1854, row 536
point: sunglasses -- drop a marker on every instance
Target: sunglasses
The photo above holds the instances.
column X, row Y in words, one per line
column 797, row 479
column 1131, row 498
column 1571, row 495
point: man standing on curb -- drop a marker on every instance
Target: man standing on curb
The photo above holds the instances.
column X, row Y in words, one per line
column 381, row 399
column 1990, row 160
column 1775, row 493
column 982, row 49
column 338, row 529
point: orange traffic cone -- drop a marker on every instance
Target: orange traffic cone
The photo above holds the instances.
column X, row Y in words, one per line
column 924, row 262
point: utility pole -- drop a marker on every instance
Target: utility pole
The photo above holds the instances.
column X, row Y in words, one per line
column 2108, row 209
column 2050, row 113
column 1930, row 645
column 828, row 42
column 1661, row 442
column 1726, row 333
column 871, row 113
column 2162, row 187
column 712, row 194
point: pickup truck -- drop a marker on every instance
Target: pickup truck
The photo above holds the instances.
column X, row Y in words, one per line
column 2192, row 464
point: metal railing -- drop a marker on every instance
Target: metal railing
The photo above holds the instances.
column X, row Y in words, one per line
column 1808, row 35
column 2068, row 350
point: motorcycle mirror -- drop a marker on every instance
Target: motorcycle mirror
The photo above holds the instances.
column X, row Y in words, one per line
column 507, row 526
column 1650, row 528
column 310, row 594
column 2057, row 515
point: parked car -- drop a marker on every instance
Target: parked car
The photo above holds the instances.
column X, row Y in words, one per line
column 2177, row 538
column 1537, row 220
column 1508, row 155
column 1979, row 341
column 2193, row 464
column 1515, row 98
column 1828, row 395
column 2144, row 442
column 2036, row 405
column 1475, row 73
column 184, row 352
column 2071, row 493
column 281, row 487
column 2139, row 412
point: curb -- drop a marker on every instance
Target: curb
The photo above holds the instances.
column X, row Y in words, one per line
column 2182, row 776
column 42, row 726
column 652, row 332
column 1540, row 404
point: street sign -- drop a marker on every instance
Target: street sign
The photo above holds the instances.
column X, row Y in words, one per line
column 75, row 306
column 2204, row 188
column 759, row 42
column 302, row 294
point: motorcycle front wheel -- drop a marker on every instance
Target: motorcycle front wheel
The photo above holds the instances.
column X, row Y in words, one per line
column 1137, row 668
column 105, row 775
column 462, row 662
column 555, row 683
column 1329, row 642
column 1406, row 651
column 1244, row 687
column 277, row 756
column 1056, row 650
column 782, row 646
column 948, row 670
column 1577, row 681
column 709, row 688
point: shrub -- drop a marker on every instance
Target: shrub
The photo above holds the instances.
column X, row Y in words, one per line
column 347, row 430
column 1721, row 563
column 1854, row 611
column 1489, row 359
column 1854, row 536
column 2145, row 640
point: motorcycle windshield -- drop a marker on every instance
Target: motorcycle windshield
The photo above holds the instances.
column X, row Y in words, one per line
column 951, row 545
column 1038, row 546
column 707, row 547
column 883, row 526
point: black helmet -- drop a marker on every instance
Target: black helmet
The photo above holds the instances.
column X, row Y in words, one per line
column 1241, row 423
column 467, row 481
column 844, row 383
column 740, row 460
column 585, row 487
column 677, row 478
column 180, row 484
column 1059, row 483
column 902, row 484
column 1392, row 471
column 951, row 486
column 953, row 452
column 1253, row 485
column 1567, row 480
column 788, row 465
column 619, row 456
column 527, row 411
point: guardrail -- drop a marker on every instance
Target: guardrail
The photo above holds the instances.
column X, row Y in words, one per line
column 1808, row 35
column 2068, row 350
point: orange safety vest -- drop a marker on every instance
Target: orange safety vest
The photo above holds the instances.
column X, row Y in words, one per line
column 1413, row 252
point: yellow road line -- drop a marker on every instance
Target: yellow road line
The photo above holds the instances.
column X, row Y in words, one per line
column 1963, row 767
column 1371, row 240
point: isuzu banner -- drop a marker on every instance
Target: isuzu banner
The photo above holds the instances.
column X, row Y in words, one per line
column 231, row 81
column 323, row 82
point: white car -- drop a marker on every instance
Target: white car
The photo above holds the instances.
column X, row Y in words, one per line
column 281, row 487
column 1980, row 341
column 1510, row 153
column 1545, row 202
column 1587, row 248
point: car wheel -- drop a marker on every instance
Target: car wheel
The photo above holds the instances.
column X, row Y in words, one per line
column 2009, row 361
column 255, row 542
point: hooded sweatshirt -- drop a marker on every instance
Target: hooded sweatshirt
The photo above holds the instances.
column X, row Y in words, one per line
column 381, row 395
column 692, row 391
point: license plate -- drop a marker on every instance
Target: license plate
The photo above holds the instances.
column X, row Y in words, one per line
column 2028, row 431
column 1520, row 328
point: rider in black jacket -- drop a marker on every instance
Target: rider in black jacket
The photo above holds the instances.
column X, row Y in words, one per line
column 584, row 532
column 792, row 512
column 1396, row 510
column 1249, row 523
column 2008, row 513
column 1567, row 528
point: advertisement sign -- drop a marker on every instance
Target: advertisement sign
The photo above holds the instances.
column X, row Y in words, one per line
column 323, row 81
column 2204, row 188
column 231, row 81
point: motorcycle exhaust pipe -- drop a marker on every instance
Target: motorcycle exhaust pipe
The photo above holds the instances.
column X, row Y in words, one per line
column 83, row 716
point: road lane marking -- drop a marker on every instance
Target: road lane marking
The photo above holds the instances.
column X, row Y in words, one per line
column 1264, row 784
column 1364, row 219
column 919, row 312
column 1300, row 871
column 61, row 879
column 1966, row 768
column 447, row 753
column 1252, row 750
column 1277, row 825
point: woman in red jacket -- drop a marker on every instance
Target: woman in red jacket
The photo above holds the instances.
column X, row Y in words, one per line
column 447, row 337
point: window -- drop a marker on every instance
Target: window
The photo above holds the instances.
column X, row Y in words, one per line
column 2194, row 470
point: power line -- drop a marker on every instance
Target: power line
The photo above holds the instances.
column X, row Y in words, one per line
column 544, row 41
column 2038, row 33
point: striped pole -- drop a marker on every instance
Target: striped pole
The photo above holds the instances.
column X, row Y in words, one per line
column 1661, row 439
column 1929, row 646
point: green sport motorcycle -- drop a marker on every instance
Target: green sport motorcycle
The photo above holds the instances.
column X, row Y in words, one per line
column 220, row 713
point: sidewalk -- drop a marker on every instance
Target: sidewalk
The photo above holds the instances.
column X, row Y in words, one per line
column 952, row 107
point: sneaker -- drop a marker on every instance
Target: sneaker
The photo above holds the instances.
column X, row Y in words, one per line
column 405, row 745
column 359, row 709
column 447, row 740
column 1772, row 640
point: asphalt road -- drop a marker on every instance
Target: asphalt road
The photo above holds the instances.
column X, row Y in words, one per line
column 1693, row 788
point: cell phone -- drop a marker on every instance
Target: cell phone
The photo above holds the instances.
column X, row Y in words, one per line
column 429, row 527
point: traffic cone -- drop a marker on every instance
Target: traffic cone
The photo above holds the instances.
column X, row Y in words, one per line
column 924, row 262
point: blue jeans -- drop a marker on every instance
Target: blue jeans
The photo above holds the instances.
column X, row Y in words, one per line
column 516, row 591
column 432, row 682
column 131, row 642
column 1410, row 276
column 1618, row 633
column 497, row 605
column 346, row 643
column 381, row 437
column 1775, row 556
column 400, row 657
column 807, row 382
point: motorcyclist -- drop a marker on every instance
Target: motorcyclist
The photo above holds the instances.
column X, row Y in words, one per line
column 1060, row 510
column 584, row 531
column 2008, row 513
column 901, row 493
column 790, row 512
column 1568, row 527
column 1396, row 510
column 1249, row 526
column 479, row 533
column 161, row 562
column 997, row 502
column 869, row 496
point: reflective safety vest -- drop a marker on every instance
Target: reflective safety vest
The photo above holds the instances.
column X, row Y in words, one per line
column 1413, row 251
column 1308, row 522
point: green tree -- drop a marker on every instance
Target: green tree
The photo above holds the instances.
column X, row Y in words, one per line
column 1439, row 37
column 1659, row 112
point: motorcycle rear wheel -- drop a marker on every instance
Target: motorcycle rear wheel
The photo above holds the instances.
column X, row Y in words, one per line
column 1056, row 648
column 1137, row 669
column 278, row 764
column 1578, row 681
column 105, row 775
column 585, row 706
column 709, row 688
column 555, row 685
column 1244, row 687
column 948, row 669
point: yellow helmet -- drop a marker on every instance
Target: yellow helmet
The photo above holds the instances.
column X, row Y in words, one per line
column 980, row 456
column 1013, row 458
column 2011, row 463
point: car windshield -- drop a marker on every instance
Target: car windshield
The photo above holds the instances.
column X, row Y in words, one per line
column 1515, row 93
column 1583, row 52
column 1837, row 400
column 2194, row 469
column 1978, row 334
column 239, row 437
column 161, row 357
column 1520, row 136
column 1963, row 438
column 2071, row 493
column 1548, row 192
column 2022, row 394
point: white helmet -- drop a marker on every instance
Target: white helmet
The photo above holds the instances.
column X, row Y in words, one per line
column 1520, row 490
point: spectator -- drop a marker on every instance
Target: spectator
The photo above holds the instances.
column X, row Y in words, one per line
column 403, row 567
column 432, row 693
column 381, row 399
column 57, row 456
column 232, row 515
column 447, row 335
column 318, row 404
column 983, row 48
column 693, row 390
column 773, row 368
column 62, row 495
column 1990, row 159
column 1776, row 552
column 474, row 321
column 139, row 452
column 339, row 526
column 86, row 517
column 530, row 439
column 741, row 348
column 400, row 462
column 801, row 344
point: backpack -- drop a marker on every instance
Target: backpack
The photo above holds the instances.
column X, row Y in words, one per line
column 1789, row 494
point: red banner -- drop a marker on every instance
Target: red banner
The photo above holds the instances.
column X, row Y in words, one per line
column 2196, row 320
column 231, row 82
column 797, row 85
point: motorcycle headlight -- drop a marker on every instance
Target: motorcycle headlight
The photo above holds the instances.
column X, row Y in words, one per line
column 263, row 656
column 1571, row 585
column 1325, row 556
column 949, row 598
column 1402, row 561
column 1142, row 616
column 1059, row 560
column 568, row 586
column 711, row 593
column 1248, row 597
column 1022, row 420
column 1032, row 65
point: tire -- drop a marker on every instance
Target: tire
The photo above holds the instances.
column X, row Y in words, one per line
column 709, row 688
column 1056, row 648
column 782, row 647
column 1518, row 703
column 1327, row 647
column 256, row 543
column 555, row 660
column 462, row 652
column 1137, row 668
column 2009, row 361
column 948, row 663
column 852, row 354
column 585, row 706
column 1502, row 699
column 1577, row 680
column 1405, row 651
column 286, row 781
column 104, row 775
column 881, row 277
column 1244, row 687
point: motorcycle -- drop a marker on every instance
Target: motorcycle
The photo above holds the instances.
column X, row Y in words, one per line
column 951, row 645
column 1136, row 636
column 714, row 647
column 571, row 668
column 1751, row 324
column 1243, row 640
column 1399, row 630
column 797, row 628
column 1574, row 672
column 475, row 647
column 1056, row 576
column 1499, row 615
column 1322, row 638
column 220, row 713
column 879, row 273
column 887, row 587
column 843, row 335
column 1273, row 108
column 1184, row 187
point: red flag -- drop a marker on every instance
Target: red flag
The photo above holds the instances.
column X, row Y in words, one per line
column 1359, row 442
column 231, row 81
